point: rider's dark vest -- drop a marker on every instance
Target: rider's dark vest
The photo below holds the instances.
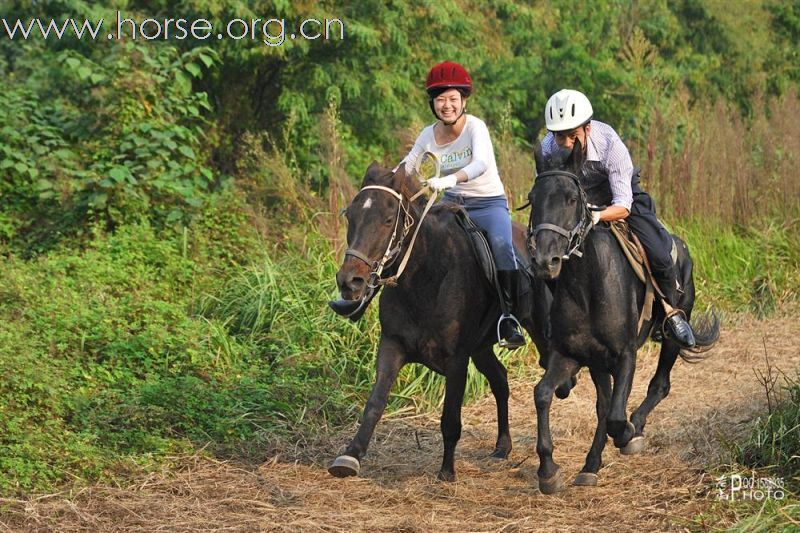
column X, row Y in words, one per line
column 598, row 189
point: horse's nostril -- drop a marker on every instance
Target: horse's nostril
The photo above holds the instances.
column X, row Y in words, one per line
column 357, row 282
column 555, row 261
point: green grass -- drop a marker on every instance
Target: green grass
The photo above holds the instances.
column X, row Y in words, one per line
column 738, row 269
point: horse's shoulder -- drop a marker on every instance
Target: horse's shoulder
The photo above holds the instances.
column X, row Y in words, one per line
column 604, row 242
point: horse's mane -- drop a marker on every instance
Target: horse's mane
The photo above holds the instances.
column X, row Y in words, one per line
column 405, row 183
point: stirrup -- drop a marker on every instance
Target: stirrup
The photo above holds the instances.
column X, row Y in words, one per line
column 503, row 343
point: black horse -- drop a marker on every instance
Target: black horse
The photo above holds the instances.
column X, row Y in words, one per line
column 595, row 316
column 440, row 311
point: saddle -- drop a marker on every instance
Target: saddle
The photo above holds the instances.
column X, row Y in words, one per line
column 483, row 253
column 637, row 257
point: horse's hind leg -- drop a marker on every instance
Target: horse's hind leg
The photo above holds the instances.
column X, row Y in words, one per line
column 594, row 459
column 455, row 382
column 491, row 367
column 656, row 391
column 559, row 369
column 390, row 360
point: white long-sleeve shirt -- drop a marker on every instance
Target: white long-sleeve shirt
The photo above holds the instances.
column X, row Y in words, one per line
column 471, row 152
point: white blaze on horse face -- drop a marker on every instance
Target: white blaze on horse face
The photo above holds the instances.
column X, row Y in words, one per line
column 367, row 204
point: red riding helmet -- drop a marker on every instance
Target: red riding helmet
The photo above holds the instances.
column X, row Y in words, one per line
column 448, row 75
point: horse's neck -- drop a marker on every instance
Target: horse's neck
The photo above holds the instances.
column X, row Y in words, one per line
column 435, row 251
column 604, row 269
column 591, row 271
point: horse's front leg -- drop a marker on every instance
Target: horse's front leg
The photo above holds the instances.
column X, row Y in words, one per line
column 559, row 369
column 594, row 459
column 455, row 382
column 617, row 424
column 391, row 359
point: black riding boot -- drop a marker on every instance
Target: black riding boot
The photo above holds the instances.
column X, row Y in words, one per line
column 676, row 325
column 510, row 335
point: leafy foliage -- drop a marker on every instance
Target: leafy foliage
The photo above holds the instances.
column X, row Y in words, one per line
column 115, row 136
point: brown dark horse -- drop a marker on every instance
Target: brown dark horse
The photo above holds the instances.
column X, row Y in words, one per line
column 441, row 311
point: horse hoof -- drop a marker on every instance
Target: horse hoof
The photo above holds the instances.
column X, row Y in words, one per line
column 634, row 446
column 585, row 479
column 500, row 453
column 446, row 476
column 553, row 484
column 563, row 390
column 344, row 466
column 620, row 441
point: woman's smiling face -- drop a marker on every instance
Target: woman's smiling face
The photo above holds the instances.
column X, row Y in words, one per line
column 448, row 105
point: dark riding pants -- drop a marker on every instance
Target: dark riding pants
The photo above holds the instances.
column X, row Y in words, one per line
column 656, row 241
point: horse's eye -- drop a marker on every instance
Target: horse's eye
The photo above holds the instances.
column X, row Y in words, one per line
column 572, row 200
column 388, row 221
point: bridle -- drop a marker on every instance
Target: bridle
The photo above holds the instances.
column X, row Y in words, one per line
column 578, row 233
column 395, row 244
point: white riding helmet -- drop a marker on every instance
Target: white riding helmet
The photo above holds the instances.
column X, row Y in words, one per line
column 566, row 110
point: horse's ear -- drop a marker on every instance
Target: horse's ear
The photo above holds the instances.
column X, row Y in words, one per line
column 403, row 182
column 399, row 176
column 538, row 157
column 575, row 161
column 373, row 172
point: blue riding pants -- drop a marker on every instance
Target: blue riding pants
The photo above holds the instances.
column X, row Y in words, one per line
column 491, row 215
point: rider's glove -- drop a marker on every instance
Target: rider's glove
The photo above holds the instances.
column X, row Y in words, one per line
column 440, row 184
column 594, row 212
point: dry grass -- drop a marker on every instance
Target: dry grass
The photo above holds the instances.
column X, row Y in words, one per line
column 706, row 163
column 664, row 488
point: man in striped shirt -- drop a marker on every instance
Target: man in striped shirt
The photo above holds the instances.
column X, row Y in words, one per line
column 609, row 179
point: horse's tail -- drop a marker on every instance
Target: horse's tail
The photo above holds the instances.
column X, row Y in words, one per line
column 706, row 333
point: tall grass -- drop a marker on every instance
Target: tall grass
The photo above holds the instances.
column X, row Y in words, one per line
column 280, row 304
column 707, row 163
column 744, row 269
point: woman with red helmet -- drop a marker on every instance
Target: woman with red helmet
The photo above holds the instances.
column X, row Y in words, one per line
column 470, row 178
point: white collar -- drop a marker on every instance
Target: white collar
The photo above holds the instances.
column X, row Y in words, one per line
column 591, row 149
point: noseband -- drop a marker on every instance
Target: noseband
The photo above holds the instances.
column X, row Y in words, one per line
column 578, row 233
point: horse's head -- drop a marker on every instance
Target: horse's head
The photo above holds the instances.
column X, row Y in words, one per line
column 558, row 218
column 378, row 221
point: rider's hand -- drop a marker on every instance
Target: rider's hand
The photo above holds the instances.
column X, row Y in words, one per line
column 594, row 212
column 440, row 184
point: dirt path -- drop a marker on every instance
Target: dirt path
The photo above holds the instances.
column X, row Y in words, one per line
column 664, row 488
